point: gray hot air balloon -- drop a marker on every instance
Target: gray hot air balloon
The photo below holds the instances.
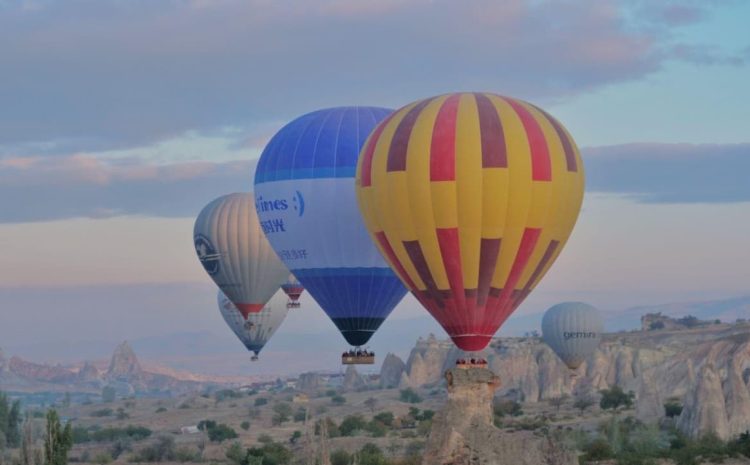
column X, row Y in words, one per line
column 259, row 327
column 236, row 254
column 572, row 330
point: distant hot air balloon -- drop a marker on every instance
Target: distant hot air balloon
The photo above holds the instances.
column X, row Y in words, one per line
column 304, row 193
column 236, row 254
column 293, row 289
column 259, row 327
column 471, row 197
column 573, row 331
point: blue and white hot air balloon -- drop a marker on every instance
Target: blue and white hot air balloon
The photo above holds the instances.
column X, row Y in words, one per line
column 306, row 203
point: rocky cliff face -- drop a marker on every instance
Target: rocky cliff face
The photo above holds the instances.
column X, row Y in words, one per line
column 353, row 380
column 124, row 364
column 463, row 433
column 309, row 382
column 124, row 373
column 707, row 368
column 390, row 371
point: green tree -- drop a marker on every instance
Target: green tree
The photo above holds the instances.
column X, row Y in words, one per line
column 221, row 432
column 370, row 454
column 385, row 418
column 10, row 421
column 282, row 413
column 340, row 457
column 410, row 396
column 351, row 424
column 260, row 401
column 614, row 398
column 57, row 441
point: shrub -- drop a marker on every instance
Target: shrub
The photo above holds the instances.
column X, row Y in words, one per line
column 300, row 414
column 505, row 408
column 615, row 398
column 295, row 437
column 377, row 429
column 265, row 439
column 235, row 453
column 245, row 425
column 340, row 457
column 338, row 400
column 161, row 409
column 740, row 445
column 408, row 395
column 270, row 454
column 221, row 432
column 351, row 424
column 370, row 454
column 598, row 449
column 260, row 401
column 283, row 411
column 161, row 451
column 385, row 418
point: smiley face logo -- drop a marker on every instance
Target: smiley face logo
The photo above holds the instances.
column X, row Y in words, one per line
column 298, row 203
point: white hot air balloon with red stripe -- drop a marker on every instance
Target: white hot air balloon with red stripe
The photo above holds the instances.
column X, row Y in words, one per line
column 236, row 254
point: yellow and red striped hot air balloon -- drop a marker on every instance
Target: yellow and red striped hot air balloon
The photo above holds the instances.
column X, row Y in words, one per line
column 470, row 197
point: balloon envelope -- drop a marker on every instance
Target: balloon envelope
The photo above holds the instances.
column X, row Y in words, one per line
column 304, row 191
column 293, row 288
column 471, row 197
column 235, row 253
column 259, row 327
column 573, row 331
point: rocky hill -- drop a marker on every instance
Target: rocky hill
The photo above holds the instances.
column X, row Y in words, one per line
column 463, row 432
column 706, row 369
column 124, row 373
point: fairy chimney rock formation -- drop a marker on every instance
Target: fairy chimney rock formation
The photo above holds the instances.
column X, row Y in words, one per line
column 463, row 432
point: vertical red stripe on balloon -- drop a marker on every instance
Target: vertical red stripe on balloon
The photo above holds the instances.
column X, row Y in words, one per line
column 489, row 250
column 450, row 252
column 443, row 144
column 570, row 156
column 525, row 249
column 400, row 141
column 370, row 152
column 491, row 134
column 541, row 166
column 391, row 256
column 423, row 270
column 548, row 253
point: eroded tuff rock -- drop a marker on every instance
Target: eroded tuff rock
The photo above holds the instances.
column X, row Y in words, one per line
column 463, row 432
column 656, row 365
column 391, row 371
column 309, row 382
column 704, row 406
column 352, row 379
column 124, row 364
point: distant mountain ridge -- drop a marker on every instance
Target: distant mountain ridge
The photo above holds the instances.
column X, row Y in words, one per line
column 124, row 372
